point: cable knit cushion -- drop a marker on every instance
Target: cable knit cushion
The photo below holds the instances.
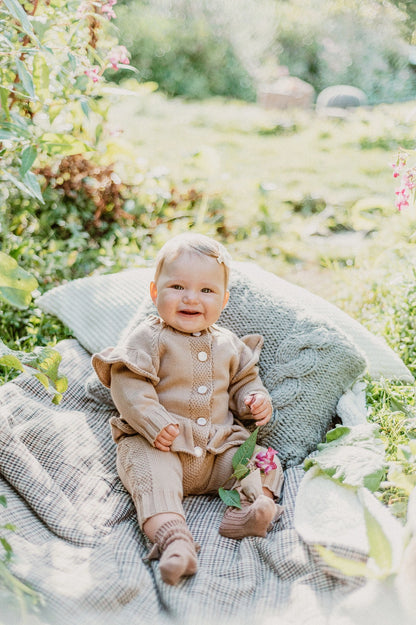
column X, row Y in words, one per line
column 307, row 362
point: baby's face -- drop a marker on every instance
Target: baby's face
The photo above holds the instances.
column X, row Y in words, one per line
column 190, row 292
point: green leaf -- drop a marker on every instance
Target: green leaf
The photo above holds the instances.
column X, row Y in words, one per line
column 6, row 135
column 11, row 361
column 32, row 183
column 352, row 568
column 353, row 456
column 4, row 101
column 85, row 108
column 399, row 406
column 43, row 379
column 379, row 545
column 16, row 284
column 43, row 363
column 28, row 158
column 230, row 497
column 402, row 480
column 63, row 144
column 3, row 501
column 373, row 480
column 41, row 74
column 61, row 384
column 246, row 450
column 19, row 128
column 9, row 527
column 7, row 547
column 20, row 185
column 336, row 433
column 240, row 471
column 19, row 13
column 25, row 79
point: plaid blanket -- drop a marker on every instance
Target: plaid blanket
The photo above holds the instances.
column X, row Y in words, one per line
column 78, row 543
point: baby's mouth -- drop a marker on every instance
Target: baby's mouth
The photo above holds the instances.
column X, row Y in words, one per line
column 189, row 313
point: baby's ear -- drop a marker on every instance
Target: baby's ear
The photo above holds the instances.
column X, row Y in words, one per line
column 226, row 298
column 153, row 291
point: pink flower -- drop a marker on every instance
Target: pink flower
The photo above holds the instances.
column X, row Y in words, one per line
column 93, row 73
column 118, row 55
column 403, row 197
column 409, row 179
column 107, row 9
column 264, row 460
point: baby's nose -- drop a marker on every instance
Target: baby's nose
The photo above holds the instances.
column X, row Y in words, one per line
column 190, row 296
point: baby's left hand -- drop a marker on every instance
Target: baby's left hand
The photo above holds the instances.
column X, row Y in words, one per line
column 260, row 407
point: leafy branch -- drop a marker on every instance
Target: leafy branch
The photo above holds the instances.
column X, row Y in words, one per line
column 16, row 286
column 240, row 464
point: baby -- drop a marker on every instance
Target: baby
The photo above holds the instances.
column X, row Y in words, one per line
column 179, row 383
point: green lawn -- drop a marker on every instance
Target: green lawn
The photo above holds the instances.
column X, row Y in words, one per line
column 304, row 194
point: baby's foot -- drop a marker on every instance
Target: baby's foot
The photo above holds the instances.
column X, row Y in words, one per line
column 253, row 519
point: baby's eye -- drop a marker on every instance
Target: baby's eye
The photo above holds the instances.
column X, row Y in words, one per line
column 178, row 287
column 206, row 290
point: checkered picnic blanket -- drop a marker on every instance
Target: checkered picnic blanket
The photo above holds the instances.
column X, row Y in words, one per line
column 78, row 543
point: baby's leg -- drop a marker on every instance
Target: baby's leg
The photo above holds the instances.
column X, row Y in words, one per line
column 258, row 507
column 154, row 480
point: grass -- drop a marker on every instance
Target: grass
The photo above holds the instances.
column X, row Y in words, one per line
column 303, row 194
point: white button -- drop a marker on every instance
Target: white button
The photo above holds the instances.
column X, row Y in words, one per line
column 198, row 451
column 196, row 333
column 201, row 421
column 202, row 390
column 202, row 356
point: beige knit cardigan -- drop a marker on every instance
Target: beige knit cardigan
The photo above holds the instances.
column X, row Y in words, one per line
column 160, row 376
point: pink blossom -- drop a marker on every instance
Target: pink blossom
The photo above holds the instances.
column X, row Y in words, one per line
column 93, row 73
column 403, row 197
column 107, row 9
column 118, row 55
column 409, row 179
column 264, row 460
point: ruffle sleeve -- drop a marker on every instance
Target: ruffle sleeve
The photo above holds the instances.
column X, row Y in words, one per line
column 130, row 370
column 139, row 353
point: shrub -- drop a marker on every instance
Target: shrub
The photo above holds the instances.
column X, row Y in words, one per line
column 185, row 57
column 362, row 47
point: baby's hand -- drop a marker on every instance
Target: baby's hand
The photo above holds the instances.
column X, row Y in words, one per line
column 260, row 407
column 165, row 438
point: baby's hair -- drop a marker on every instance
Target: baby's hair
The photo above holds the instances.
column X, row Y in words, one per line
column 196, row 243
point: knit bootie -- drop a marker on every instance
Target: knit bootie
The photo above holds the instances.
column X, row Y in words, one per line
column 253, row 519
column 177, row 551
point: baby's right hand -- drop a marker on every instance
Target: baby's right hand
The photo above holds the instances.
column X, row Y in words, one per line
column 165, row 438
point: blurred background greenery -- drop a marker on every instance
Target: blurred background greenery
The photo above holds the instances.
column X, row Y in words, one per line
column 201, row 49
column 179, row 139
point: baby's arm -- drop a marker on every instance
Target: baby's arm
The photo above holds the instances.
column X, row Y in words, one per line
column 260, row 407
column 137, row 402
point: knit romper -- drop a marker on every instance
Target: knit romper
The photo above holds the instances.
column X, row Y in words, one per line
column 161, row 376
